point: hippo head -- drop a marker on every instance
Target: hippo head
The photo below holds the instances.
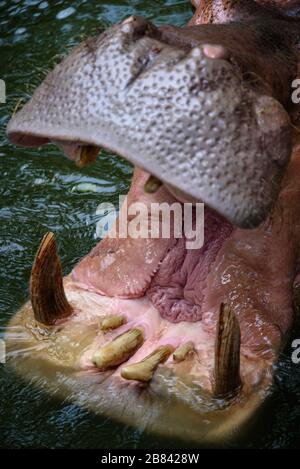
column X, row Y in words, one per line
column 204, row 113
column 198, row 107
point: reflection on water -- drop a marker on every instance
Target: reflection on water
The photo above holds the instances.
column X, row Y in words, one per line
column 42, row 191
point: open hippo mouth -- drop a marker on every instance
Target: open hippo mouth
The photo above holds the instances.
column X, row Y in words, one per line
column 177, row 340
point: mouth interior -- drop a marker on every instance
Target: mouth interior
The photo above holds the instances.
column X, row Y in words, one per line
column 170, row 273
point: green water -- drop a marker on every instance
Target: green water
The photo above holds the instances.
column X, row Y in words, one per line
column 39, row 192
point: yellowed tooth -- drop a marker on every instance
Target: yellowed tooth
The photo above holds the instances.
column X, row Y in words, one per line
column 47, row 294
column 118, row 350
column 227, row 354
column 152, row 185
column 112, row 322
column 183, row 351
column 144, row 370
column 88, row 155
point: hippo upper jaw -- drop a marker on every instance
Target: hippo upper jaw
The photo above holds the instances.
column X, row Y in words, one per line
column 188, row 119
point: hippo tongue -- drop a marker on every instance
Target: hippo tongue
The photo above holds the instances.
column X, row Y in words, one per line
column 172, row 276
column 121, row 268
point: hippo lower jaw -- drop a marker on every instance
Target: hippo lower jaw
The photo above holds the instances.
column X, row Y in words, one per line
column 204, row 395
column 182, row 397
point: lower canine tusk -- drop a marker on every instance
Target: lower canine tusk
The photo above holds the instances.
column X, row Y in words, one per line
column 47, row 294
column 144, row 370
column 227, row 354
column 118, row 350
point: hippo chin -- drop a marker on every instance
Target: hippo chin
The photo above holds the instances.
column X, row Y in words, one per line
column 179, row 341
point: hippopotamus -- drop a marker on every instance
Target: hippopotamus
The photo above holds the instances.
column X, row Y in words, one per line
column 177, row 341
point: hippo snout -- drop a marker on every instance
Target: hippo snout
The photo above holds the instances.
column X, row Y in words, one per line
column 180, row 110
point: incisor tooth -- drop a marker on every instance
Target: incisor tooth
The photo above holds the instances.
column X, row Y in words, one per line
column 144, row 370
column 152, row 185
column 112, row 322
column 118, row 350
column 183, row 351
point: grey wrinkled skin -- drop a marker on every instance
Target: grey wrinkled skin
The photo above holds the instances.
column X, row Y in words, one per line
column 190, row 120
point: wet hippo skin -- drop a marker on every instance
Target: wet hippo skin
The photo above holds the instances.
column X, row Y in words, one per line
column 207, row 110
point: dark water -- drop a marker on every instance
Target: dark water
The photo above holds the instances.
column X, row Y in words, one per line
column 41, row 191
